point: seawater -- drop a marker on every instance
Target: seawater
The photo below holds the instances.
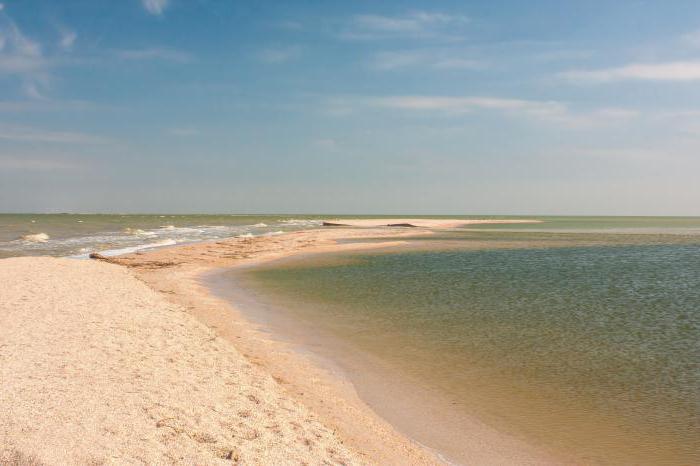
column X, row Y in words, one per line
column 78, row 235
column 588, row 348
column 111, row 234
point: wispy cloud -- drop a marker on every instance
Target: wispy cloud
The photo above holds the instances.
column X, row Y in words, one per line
column 439, row 59
column 469, row 104
column 290, row 25
column 18, row 54
column 155, row 7
column 692, row 38
column 549, row 111
column 155, row 54
column 31, row 90
column 39, row 163
column 670, row 71
column 23, row 57
column 45, row 104
column 414, row 24
column 67, row 38
column 327, row 144
column 29, row 134
column 276, row 55
column 183, row 132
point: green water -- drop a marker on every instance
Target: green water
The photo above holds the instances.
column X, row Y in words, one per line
column 590, row 351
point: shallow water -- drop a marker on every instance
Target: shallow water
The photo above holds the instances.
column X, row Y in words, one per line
column 589, row 351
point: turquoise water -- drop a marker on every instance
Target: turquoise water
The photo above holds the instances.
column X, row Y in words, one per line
column 591, row 351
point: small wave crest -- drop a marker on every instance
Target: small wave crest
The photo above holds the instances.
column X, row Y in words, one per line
column 36, row 238
column 138, row 232
column 127, row 250
column 301, row 222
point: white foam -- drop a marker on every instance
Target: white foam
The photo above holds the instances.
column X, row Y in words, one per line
column 138, row 232
column 301, row 222
column 128, row 250
column 260, row 225
column 36, row 238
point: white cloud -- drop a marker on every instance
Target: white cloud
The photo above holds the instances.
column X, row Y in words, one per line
column 155, row 53
column 155, row 7
column 468, row 104
column 67, row 39
column 555, row 112
column 440, row 59
column 417, row 23
column 280, row 54
column 28, row 134
column 670, row 71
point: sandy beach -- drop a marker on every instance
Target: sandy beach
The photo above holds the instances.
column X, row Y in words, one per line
column 135, row 361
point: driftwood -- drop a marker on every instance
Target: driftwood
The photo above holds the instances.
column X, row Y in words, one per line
column 407, row 225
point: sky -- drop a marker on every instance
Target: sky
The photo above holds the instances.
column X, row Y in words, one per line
column 396, row 107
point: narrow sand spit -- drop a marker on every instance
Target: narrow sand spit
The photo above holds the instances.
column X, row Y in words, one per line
column 423, row 222
column 98, row 368
column 141, row 364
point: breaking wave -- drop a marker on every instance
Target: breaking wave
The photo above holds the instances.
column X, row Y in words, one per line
column 36, row 238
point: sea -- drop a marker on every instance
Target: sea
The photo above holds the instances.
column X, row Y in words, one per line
column 78, row 235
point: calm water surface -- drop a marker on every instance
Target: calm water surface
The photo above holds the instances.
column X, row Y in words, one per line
column 591, row 351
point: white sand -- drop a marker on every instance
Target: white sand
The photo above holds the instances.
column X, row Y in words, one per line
column 425, row 222
column 98, row 368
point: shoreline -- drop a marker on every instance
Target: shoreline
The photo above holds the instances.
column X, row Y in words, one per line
column 177, row 274
column 302, row 374
column 413, row 408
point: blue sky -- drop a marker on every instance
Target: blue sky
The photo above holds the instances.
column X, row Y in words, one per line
column 454, row 107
